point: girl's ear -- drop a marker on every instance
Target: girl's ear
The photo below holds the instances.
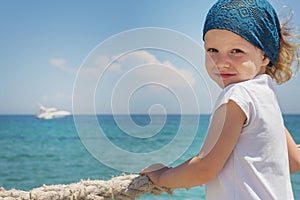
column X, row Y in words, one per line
column 265, row 60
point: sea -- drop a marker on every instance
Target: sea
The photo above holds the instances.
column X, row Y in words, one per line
column 36, row 152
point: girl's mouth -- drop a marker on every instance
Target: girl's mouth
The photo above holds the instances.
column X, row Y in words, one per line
column 225, row 75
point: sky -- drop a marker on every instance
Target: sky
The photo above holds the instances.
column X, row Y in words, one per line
column 51, row 52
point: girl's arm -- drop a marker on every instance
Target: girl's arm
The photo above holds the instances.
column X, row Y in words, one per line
column 222, row 136
column 294, row 153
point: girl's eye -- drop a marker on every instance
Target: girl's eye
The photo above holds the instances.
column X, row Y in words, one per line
column 212, row 50
column 234, row 51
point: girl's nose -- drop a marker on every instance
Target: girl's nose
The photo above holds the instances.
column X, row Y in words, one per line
column 222, row 61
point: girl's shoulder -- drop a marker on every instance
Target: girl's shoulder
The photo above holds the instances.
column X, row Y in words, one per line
column 256, row 84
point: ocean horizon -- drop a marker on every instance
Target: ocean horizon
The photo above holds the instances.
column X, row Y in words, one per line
column 35, row 152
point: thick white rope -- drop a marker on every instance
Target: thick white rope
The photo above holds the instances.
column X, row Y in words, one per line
column 119, row 188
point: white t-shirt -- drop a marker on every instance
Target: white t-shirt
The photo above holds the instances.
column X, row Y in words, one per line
column 258, row 167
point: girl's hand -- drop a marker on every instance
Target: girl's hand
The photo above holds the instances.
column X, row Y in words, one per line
column 154, row 171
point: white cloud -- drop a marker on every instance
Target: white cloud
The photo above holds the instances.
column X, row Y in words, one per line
column 61, row 64
column 167, row 73
column 58, row 62
column 137, row 65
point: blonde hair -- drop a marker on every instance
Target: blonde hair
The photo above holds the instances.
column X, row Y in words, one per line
column 288, row 60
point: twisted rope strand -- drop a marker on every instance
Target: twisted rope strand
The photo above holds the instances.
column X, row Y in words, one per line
column 124, row 187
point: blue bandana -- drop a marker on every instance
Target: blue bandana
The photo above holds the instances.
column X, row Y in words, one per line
column 254, row 20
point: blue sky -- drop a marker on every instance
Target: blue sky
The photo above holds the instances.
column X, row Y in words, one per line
column 44, row 43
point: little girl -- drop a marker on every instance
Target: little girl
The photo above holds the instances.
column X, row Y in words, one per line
column 248, row 153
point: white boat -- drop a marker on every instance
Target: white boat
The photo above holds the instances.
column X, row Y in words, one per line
column 51, row 113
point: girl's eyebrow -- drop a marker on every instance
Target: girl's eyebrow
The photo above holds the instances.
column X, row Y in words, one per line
column 233, row 46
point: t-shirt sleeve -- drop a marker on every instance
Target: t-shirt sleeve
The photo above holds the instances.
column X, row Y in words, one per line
column 239, row 95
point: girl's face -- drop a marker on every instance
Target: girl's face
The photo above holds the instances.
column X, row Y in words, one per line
column 232, row 59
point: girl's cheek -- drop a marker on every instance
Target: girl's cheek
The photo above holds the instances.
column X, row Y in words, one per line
column 208, row 60
column 209, row 64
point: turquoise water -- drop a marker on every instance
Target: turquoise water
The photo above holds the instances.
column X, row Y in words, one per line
column 36, row 152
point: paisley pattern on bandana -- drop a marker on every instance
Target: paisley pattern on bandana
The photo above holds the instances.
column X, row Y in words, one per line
column 254, row 20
